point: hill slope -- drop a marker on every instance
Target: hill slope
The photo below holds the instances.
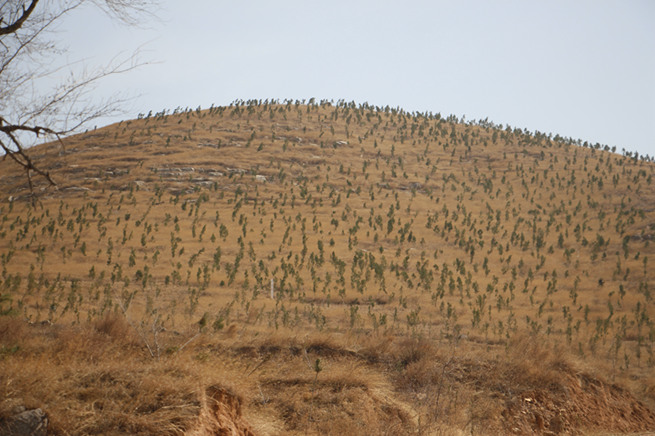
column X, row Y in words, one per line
column 414, row 262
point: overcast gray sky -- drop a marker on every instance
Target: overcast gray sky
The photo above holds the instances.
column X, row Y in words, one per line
column 584, row 69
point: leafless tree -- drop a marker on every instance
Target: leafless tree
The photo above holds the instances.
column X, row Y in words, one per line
column 28, row 48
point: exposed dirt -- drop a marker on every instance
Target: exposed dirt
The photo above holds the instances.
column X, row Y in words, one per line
column 221, row 415
column 581, row 404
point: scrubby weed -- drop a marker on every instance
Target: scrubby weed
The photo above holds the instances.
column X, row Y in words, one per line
column 366, row 220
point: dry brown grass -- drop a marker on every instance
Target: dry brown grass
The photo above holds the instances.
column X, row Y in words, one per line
column 99, row 379
column 441, row 273
column 96, row 384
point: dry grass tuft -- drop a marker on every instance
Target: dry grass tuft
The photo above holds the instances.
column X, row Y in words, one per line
column 115, row 326
column 408, row 350
column 533, row 364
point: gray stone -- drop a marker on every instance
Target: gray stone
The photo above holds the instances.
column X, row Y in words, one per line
column 28, row 423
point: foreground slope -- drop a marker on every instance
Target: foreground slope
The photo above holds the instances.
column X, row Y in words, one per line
column 414, row 262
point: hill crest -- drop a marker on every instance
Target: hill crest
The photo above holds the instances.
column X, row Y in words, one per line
column 367, row 222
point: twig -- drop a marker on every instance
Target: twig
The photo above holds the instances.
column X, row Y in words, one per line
column 188, row 342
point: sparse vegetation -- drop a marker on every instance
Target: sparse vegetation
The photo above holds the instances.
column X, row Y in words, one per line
column 416, row 262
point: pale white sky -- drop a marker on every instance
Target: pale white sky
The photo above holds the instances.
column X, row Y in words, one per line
column 584, row 69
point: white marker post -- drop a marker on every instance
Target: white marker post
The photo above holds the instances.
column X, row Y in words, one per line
column 272, row 289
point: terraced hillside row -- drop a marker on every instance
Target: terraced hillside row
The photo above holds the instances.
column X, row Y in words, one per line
column 339, row 219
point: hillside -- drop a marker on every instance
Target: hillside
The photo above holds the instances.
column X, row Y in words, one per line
column 287, row 268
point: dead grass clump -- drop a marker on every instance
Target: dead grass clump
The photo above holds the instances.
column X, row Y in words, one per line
column 116, row 327
column 483, row 413
column 264, row 346
column 91, row 345
column 533, row 364
column 421, row 374
column 375, row 348
column 408, row 350
column 325, row 345
column 320, row 344
column 335, row 406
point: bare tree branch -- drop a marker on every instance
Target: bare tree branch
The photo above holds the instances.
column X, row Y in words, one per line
column 18, row 23
column 28, row 49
